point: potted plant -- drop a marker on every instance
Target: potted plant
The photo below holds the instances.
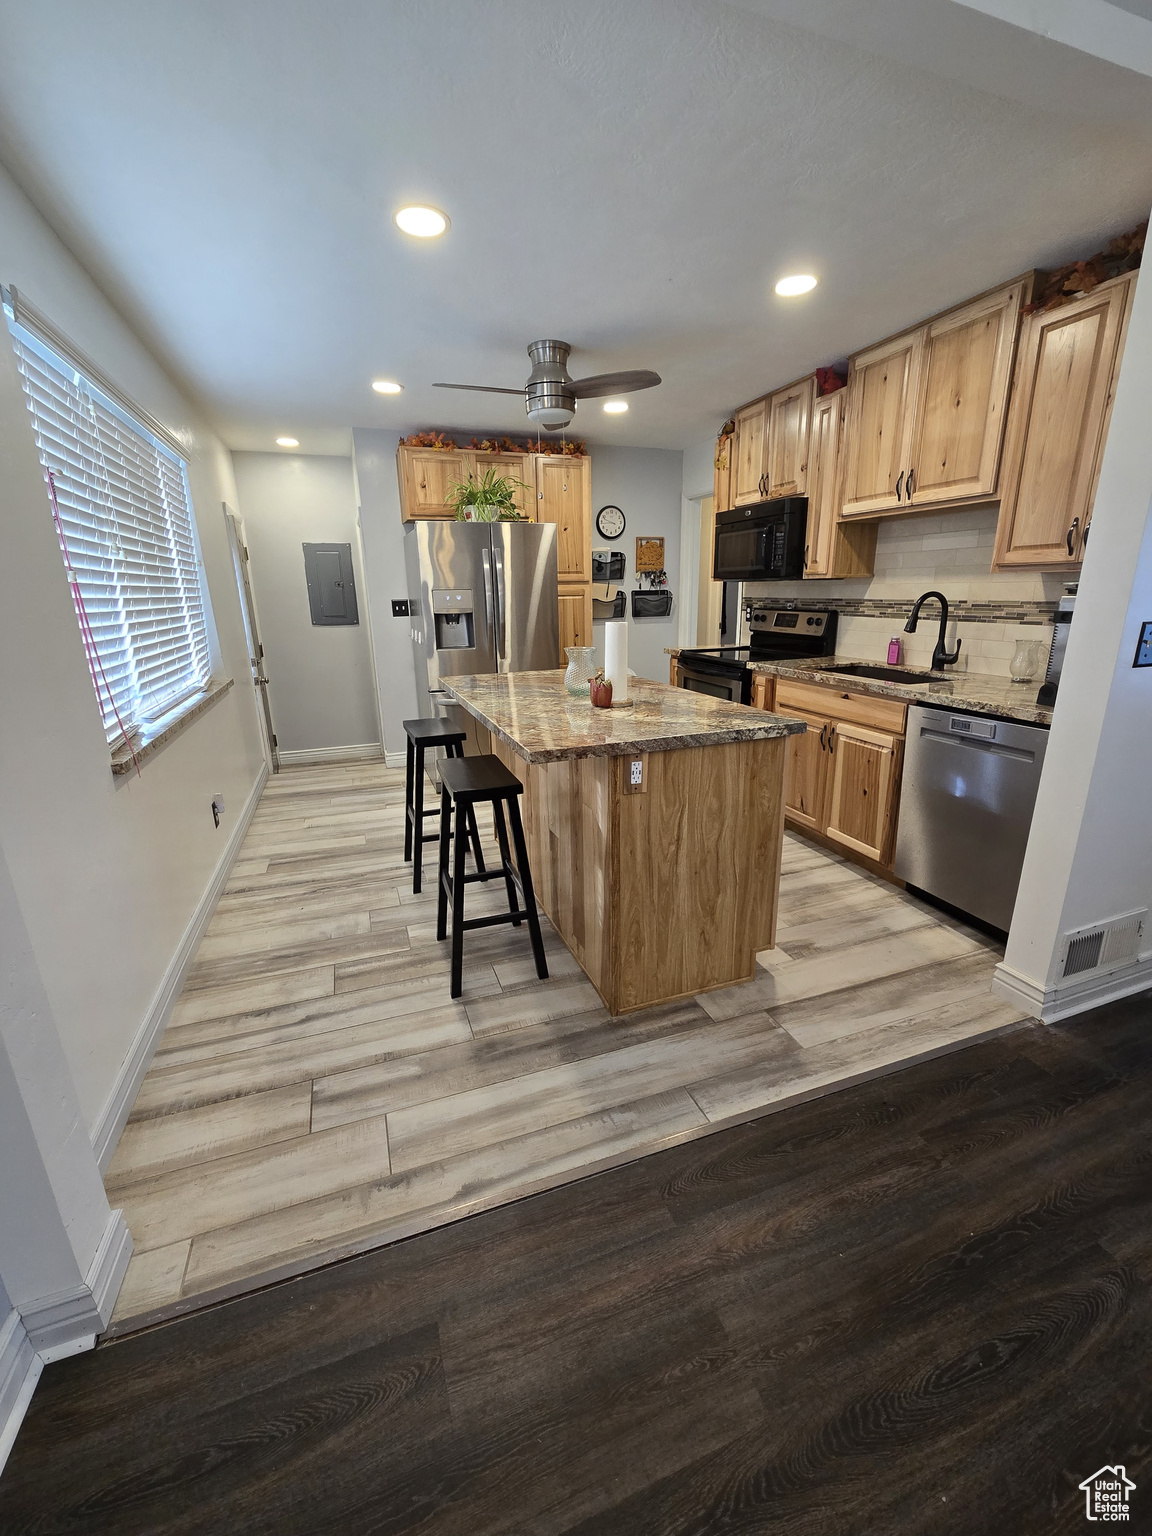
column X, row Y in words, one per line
column 490, row 500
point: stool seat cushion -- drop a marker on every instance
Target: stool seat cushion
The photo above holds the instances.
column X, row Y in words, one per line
column 478, row 778
column 436, row 732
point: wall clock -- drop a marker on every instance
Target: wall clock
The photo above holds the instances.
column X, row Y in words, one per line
column 610, row 522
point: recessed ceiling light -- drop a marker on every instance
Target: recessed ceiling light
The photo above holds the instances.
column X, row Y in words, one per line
column 386, row 386
column 425, row 223
column 288, row 442
column 615, row 407
column 790, row 287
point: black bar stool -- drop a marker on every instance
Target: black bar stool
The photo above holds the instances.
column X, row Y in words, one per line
column 423, row 735
column 468, row 782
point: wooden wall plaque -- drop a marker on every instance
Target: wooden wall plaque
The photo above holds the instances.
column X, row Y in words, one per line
column 649, row 555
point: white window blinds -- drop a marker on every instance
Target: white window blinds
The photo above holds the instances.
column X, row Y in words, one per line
column 126, row 524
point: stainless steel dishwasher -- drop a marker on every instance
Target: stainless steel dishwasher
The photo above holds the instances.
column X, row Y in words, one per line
column 966, row 803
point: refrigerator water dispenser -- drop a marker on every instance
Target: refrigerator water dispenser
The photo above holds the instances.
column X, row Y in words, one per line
column 455, row 623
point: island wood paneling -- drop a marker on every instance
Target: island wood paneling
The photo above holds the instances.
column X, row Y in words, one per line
column 666, row 893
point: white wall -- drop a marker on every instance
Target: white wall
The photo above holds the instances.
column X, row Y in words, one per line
column 647, row 485
column 108, row 873
column 1089, row 855
column 321, row 689
column 374, row 457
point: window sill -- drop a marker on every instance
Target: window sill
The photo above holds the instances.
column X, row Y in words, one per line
column 154, row 737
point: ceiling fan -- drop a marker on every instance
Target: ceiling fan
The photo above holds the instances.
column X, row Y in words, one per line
column 550, row 395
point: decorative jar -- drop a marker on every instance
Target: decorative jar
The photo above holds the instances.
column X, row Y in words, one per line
column 1026, row 661
column 581, row 665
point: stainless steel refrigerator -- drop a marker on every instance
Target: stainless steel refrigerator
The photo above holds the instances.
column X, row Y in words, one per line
column 483, row 599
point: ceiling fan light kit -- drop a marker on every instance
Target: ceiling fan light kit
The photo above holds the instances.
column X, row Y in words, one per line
column 551, row 394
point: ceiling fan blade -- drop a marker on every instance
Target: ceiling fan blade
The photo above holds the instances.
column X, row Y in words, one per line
column 482, row 389
column 614, row 383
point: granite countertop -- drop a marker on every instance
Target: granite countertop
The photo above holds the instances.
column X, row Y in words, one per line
column 535, row 715
column 961, row 690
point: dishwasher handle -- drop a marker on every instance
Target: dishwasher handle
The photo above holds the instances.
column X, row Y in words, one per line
column 973, row 743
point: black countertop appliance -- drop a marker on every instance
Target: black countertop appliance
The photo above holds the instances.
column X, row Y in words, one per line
column 786, row 632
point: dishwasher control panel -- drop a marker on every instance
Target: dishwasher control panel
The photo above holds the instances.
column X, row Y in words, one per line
column 966, row 725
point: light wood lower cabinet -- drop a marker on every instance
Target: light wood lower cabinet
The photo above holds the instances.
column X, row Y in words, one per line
column 842, row 777
column 862, row 794
column 1066, row 372
column 575, row 614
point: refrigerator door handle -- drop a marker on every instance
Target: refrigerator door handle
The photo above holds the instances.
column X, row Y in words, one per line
column 489, row 607
column 501, row 614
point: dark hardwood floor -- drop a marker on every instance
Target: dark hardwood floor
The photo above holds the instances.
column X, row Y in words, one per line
column 919, row 1306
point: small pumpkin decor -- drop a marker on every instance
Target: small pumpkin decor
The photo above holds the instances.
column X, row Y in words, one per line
column 600, row 691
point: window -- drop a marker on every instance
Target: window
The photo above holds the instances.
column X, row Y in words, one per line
column 129, row 541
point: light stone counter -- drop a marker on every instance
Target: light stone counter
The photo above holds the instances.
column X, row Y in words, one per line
column 534, row 714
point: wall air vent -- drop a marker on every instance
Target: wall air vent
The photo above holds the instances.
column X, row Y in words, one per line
column 1104, row 946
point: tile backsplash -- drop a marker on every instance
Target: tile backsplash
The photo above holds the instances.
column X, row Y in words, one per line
column 950, row 551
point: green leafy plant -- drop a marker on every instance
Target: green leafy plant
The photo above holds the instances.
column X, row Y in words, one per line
column 490, row 500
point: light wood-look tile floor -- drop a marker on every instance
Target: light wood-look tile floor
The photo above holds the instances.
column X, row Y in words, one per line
column 317, row 1092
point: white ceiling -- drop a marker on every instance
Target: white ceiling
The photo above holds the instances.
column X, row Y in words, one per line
column 630, row 178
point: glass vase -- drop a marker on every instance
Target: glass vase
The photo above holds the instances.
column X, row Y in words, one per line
column 1026, row 662
column 581, row 665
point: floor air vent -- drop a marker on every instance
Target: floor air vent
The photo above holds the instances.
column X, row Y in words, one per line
column 1105, row 945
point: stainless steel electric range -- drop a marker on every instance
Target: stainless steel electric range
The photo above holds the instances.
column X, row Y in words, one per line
column 781, row 632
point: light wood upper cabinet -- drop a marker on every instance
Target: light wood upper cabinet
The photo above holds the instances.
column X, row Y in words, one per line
column 724, row 474
column 750, row 451
column 882, row 384
column 832, row 548
column 1066, row 370
column 564, row 497
column 425, row 478
column 926, row 410
column 789, row 422
column 864, row 787
column 965, row 373
column 511, row 466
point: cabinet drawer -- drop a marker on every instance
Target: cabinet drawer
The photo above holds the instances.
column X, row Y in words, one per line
column 842, row 704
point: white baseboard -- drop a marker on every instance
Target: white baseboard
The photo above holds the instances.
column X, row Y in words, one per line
column 20, row 1368
column 69, row 1321
column 1051, row 1004
column 396, row 759
column 111, row 1120
column 350, row 754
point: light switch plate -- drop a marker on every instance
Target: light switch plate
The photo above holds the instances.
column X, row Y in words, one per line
column 1144, row 645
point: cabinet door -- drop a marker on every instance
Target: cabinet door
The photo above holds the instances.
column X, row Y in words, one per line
column 425, row 479
column 564, row 497
column 724, row 473
column 575, row 614
column 824, row 482
column 510, row 466
column 751, row 445
column 1065, row 375
column 806, row 768
column 763, row 691
column 882, row 387
column 965, row 373
column 789, row 422
column 862, row 800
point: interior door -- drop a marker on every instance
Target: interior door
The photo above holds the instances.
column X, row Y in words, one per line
column 239, row 546
column 525, row 596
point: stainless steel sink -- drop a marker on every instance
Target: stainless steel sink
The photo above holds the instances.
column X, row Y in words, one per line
column 884, row 674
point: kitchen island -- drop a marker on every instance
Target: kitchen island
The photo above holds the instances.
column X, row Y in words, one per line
column 654, row 831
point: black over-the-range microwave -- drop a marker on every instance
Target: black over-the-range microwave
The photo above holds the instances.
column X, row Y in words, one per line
column 763, row 542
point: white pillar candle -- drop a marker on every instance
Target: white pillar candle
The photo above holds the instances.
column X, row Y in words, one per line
column 616, row 658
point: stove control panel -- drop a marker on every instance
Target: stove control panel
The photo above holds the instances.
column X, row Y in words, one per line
column 805, row 621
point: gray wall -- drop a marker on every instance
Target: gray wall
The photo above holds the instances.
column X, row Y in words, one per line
column 109, row 873
column 374, row 456
column 646, row 484
column 321, row 689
